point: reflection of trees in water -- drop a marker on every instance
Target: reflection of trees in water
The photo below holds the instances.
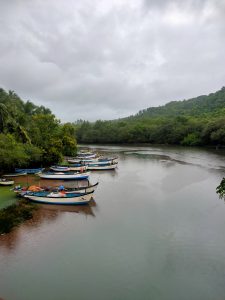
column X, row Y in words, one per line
column 10, row 241
column 45, row 213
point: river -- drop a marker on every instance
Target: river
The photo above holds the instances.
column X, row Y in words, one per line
column 156, row 230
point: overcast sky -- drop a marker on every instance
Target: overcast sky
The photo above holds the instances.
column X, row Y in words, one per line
column 106, row 59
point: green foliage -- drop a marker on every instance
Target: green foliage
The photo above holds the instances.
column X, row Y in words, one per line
column 194, row 122
column 221, row 189
column 30, row 135
column 192, row 139
column 14, row 215
column 12, row 153
column 69, row 144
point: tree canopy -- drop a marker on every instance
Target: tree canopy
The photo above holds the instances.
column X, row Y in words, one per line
column 31, row 135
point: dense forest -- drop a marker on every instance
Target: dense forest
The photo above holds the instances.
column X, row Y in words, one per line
column 31, row 135
column 195, row 122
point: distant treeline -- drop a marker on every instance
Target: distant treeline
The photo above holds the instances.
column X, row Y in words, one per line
column 196, row 122
column 31, row 135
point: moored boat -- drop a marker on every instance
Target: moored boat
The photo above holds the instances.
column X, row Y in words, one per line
column 96, row 167
column 64, row 176
column 86, row 156
column 80, row 160
column 22, row 191
column 4, row 181
column 94, row 160
column 78, row 167
column 60, row 198
column 74, row 167
column 15, row 175
column 29, row 171
column 60, row 169
column 103, row 162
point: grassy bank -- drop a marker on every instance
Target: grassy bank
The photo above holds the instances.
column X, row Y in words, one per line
column 7, row 197
column 15, row 214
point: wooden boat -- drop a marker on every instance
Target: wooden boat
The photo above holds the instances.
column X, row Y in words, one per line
column 80, row 168
column 4, row 181
column 85, row 155
column 93, row 160
column 15, row 175
column 103, row 162
column 80, row 160
column 29, row 171
column 21, row 191
column 80, row 190
column 74, row 167
column 95, row 167
column 60, row 198
column 60, row 169
column 64, row 176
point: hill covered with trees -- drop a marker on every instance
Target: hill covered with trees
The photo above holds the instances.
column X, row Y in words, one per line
column 31, row 135
column 195, row 122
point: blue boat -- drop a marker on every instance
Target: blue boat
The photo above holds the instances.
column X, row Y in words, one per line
column 29, row 171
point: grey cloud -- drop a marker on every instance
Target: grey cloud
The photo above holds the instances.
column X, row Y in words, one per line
column 90, row 59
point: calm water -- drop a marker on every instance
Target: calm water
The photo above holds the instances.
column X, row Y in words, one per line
column 156, row 230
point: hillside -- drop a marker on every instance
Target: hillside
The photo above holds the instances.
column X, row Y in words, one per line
column 195, row 122
column 205, row 104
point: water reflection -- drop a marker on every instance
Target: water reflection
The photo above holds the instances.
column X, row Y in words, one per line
column 45, row 214
column 179, row 157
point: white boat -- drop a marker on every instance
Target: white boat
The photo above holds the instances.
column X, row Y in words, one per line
column 60, row 198
column 60, row 169
column 82, row 190
column 86, row 156
column 15, row 175
column 4, row 181
column 103, row 162
column 102, row 167
column 67, row 175
column 100, row 160
column 84, row 153
column 81, row 160
column 79, row 169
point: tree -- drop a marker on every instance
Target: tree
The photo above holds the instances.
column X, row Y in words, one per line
column 3, row 116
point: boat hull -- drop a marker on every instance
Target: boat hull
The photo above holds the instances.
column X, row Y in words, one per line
column 79, row 168
column 78, row 200
column 93, row 161
column 79, row 176
column 29, row 171
column 86, row 156
column 82, row 168
column 10, row 182
column 84, row 190
column 15, row 175
column 102, row 167
column 60, row 169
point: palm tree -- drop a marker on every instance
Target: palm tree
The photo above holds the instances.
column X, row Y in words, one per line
column 4, row 114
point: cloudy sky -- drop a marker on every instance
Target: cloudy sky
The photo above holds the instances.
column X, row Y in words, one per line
column 94, row 59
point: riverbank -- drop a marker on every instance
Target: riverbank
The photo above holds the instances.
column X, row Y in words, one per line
column 15, row 214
